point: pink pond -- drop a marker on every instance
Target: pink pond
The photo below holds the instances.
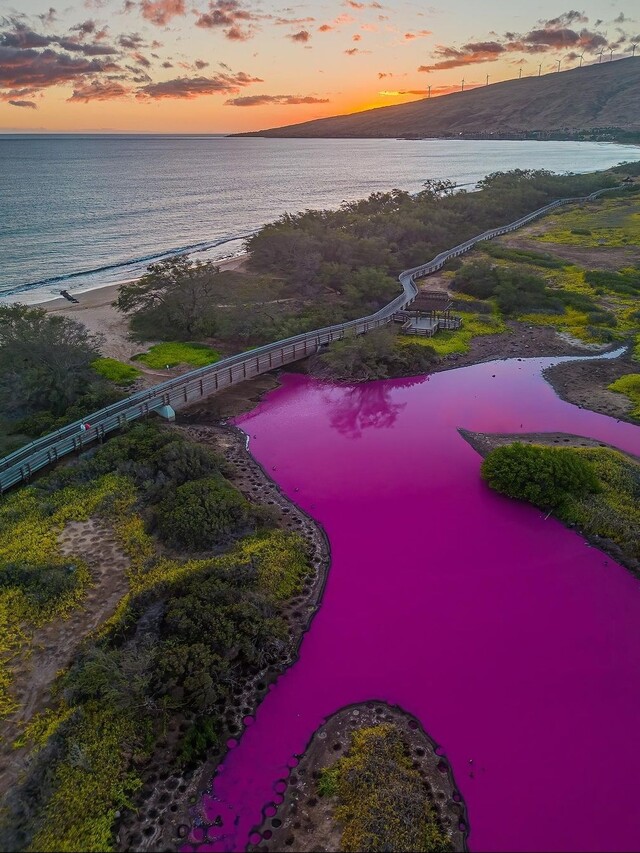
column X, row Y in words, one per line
column 514, row 642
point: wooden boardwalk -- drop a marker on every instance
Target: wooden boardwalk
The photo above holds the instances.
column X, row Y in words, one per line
column 173, row 394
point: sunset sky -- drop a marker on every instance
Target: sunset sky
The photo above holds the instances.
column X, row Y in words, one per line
column 216, row 66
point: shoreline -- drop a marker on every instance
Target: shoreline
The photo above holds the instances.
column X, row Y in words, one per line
column 57, row 303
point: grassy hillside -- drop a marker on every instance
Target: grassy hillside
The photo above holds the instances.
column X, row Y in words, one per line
column 600, row 96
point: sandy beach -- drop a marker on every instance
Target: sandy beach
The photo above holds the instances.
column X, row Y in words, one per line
column 96, row 310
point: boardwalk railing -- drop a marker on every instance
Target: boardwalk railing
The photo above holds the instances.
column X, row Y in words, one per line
column 19, row 466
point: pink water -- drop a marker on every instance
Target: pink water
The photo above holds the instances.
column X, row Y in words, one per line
column 515, row 643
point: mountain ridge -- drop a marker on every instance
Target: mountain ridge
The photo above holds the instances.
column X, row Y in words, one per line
column 603, row 96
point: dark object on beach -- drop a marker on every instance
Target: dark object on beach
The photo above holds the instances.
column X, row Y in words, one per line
column 68, row 296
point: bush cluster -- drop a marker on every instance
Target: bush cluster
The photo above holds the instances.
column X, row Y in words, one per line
column 545, row 476
column 516, row 291
column 382, row 801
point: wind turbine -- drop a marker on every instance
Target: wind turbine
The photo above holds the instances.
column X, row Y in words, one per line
column 611, row 55
column 487, row 80
column 581, row 58
column 601, row 52
column 633, row 49
column 462, row 89
column 558, row 61
column 520, row 74
column 429, row 88
column 539, row 69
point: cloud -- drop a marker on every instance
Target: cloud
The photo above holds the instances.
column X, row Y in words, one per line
column 261, row 100
column 420, row 34
column 342, row 20
column 468, row 54
column 554, row 34
column 40, row 69
column 551, row 38
column 132, row 41
column 97, row 90
column 30, row 104
column 566, row 19
column 355, row 51
column 160, row 12
column 194, row 87
column 47, row 18
column 436, row 91
column 85, row 28
column 227, row 15
column 22, row 37
column 200, row 64
column 293, row 22
column 141, row 60
column 302, row 36
column 406, row 92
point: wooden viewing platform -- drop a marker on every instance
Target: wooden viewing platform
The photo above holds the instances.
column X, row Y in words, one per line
column 429, row 312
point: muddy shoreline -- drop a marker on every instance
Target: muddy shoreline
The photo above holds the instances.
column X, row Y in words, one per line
column 304, row 821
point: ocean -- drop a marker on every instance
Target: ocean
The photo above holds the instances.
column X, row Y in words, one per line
column 82, row 211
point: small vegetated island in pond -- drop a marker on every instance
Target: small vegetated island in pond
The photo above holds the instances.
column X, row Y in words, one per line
column 594, row 488
column 370, row 780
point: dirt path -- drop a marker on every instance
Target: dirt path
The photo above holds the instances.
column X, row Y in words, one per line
column 54, row 645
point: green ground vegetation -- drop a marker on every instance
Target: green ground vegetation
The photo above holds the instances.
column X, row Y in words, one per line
column 382, row 802
column 595, row 489
column 629, row 385
column 613, row 223
column 593, row 306
column 173, row 353
column 116, row 371
column 149, row 666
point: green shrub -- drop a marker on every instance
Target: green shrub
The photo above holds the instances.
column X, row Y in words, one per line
column 201, row 739
column 523, row 256
column 626, row 283
column 478, row 279
column 544, row 476
column 203, row 514
column 585, row 232
column 116, row 371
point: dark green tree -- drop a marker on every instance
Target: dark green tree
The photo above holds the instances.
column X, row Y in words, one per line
column 45, row 361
